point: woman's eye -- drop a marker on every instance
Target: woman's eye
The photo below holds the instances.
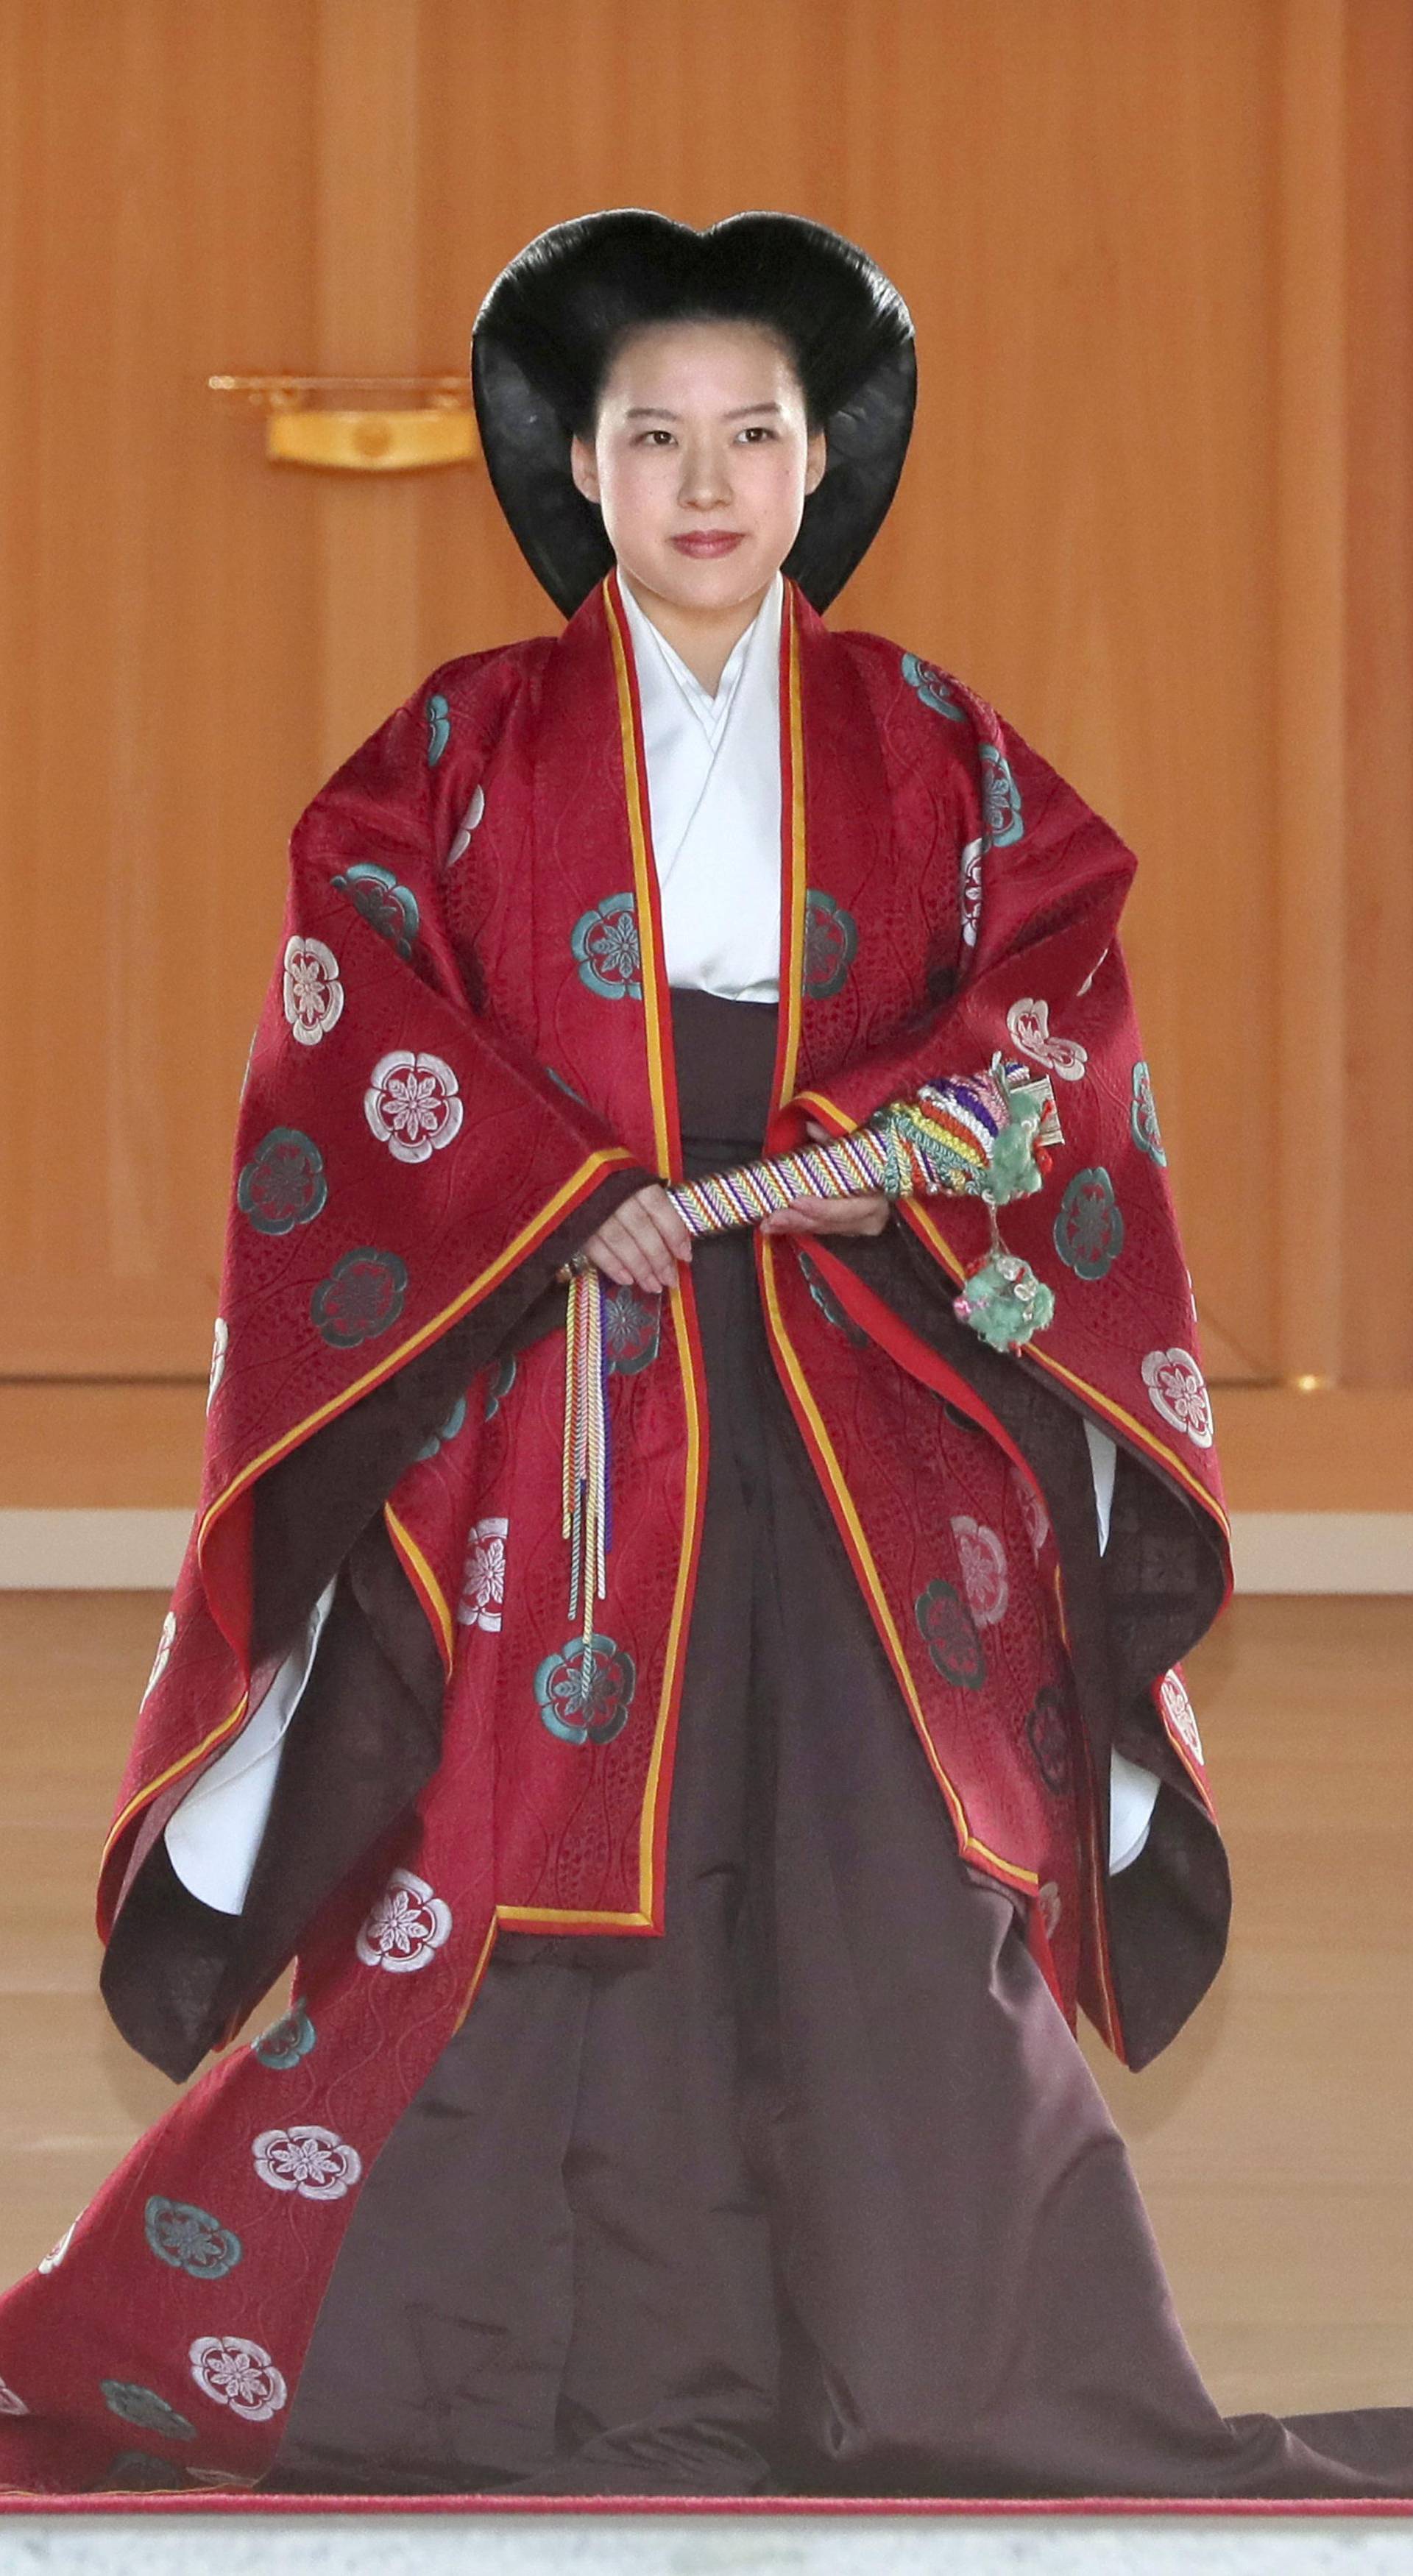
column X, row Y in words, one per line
column 754, row 430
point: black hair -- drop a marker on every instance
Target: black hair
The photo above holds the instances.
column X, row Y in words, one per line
column 547, row 334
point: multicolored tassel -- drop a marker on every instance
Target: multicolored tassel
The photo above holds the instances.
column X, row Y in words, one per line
column 947, row 1136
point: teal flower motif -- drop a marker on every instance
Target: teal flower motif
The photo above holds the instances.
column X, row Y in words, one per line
column 826, row 1300
column 449, row 1429
column 190, row 2239
column 631, row 1327
column 386, row 906
column 1047, row 1729
column 831, row 940
column 1143, row 1117
column 362, row 1296
column 1000, row 799
column 143, row 2406
column 931, row 687
column 142, row 2469
column 1089, row 1229
column 500, row 1386
column 580, row 1713
column 438, row 728
column 606, row 948
column 287, row 2040
column 283, row 1184
column 950, row 1633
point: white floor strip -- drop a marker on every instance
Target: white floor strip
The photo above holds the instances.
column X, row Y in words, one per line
column 609, row 2544
column 1322, row 1551
column 91, row 1551
column 141, row 1551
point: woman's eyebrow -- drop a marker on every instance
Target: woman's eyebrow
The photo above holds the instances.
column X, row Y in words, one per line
column 657, row 411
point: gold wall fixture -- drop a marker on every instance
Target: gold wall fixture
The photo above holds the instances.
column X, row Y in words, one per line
column 306, row 423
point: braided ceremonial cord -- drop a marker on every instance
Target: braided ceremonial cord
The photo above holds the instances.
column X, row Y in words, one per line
column 942, row 1138
column 585, row 1479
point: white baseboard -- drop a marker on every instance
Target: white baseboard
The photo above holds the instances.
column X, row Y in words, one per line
column 141, row 1551
column 1322, row 1551
column 92, row 1551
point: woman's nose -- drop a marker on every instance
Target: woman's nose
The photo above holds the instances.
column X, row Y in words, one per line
column 704, row 477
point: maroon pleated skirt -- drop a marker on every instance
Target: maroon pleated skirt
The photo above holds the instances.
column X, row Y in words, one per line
column 815, row 2194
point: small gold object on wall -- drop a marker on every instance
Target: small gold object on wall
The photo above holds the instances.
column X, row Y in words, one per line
column 304, row 428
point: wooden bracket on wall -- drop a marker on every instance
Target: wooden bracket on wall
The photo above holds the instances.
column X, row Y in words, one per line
column 307, row 423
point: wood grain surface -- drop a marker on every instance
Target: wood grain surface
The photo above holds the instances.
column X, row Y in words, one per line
column 1159, row 506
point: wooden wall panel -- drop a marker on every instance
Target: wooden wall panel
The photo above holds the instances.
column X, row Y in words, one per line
column 1375, row 952
column 1151, row 509
column 160, row 649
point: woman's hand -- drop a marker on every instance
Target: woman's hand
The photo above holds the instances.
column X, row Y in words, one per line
column 864, row 1212
column 642, row 1242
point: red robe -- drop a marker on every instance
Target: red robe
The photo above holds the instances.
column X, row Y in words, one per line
column 464, row 1061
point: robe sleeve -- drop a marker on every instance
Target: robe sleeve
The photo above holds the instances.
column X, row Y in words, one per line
column 1038, row 972
column 407, row 1175
column 407, row 1180
column 1040, row 920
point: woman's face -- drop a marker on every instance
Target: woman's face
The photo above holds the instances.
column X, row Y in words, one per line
column 701, row 461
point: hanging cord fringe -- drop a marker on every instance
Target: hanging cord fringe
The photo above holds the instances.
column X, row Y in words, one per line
column 585, row 1480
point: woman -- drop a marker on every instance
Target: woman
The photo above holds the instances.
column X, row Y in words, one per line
column 693, row 1938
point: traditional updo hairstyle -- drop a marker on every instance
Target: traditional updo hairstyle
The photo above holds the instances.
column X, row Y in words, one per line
column 547, row 334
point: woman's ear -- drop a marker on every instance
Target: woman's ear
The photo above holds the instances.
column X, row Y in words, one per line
column 816, row 459
column 584, row 469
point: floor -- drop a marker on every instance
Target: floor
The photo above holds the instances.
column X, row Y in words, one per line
column 1271, row 2140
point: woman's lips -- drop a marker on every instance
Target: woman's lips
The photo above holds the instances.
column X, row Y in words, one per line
column 720, row 542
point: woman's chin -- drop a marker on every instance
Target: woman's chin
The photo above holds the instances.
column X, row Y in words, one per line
column 705, row 585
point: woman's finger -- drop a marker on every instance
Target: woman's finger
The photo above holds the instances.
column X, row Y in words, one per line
column 639, row 1231
column 670, row 1223
column 865, row 1212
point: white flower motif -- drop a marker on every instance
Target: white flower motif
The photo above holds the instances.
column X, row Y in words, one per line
column 1051, row 1908
column 971, row 890
column 1178, row 1711
column 10, row 2404
column 413, row 1105
column 1036, row 1517
column 51, row 2261
column 469, row 821
column 1029, row 1024
column 313, row 992
column 406, row 1926
column 234, row 2372
column 316, row 2163
column 1177, row 1390
column 220, row 1344
column 1089, row 978
column 160, row 1659
column 483, row 1583
column 984, row 1577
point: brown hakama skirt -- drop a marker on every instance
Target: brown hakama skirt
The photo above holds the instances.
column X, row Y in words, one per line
column 815, row 2194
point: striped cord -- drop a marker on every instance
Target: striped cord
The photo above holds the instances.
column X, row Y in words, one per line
column 940, row 1139
column 584, row 1491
